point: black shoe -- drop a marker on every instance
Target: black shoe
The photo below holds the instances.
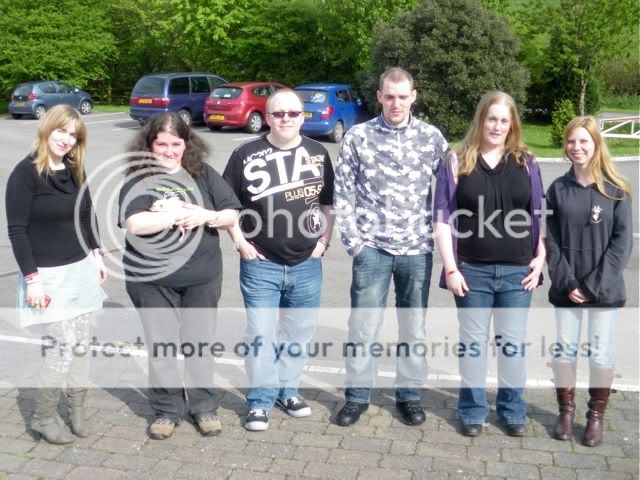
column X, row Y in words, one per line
column 350, row 413
column 471, row 429
column 516, row 429
column 412, row 412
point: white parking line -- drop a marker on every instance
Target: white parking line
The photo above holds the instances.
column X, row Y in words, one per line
column 101, row 121
column 92, row 115
column 245, row 138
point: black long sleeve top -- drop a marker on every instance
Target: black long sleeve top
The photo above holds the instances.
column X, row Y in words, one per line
column 40, row 218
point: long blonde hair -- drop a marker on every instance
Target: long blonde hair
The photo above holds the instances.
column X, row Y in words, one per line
column 58, row 117
column 468, row 152
column 601, row 167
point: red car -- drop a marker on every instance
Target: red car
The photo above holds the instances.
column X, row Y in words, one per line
column 239, row 104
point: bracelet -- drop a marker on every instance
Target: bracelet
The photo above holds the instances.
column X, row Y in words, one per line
column 451, row 272
column 32, row 278
column 324, row 242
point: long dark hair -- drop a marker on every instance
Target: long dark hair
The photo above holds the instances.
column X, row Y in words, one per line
column 195, row 153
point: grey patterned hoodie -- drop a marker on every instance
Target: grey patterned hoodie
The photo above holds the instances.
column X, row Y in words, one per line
column 382, row 193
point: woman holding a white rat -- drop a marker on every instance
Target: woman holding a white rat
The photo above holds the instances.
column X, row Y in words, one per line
column 172, row 204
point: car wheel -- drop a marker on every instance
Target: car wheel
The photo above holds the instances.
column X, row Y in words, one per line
column 337, row 133
column 185, row 116
column 85, row 107
column 17, row 116
column 39, row 111
column 214, row 128
column 254, row 125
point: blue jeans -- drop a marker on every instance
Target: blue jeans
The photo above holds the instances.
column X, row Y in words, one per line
column 493, row 290
column 372, row 272
column 276, row 351
column 601, row 330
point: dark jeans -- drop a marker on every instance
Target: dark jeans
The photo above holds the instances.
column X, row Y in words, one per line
column 372, row 273
column 179, row 320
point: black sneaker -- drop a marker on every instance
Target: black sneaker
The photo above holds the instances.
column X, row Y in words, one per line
column 350, row 413
column 412, row 412
column 257, row 420
column 294, row 406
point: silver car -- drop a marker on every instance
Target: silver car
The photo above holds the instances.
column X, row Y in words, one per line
column 35, row 98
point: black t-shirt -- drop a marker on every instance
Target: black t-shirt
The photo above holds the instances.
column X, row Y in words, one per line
column 169, row 257
column 498, row 201
column 281, row 192
column 40, row 217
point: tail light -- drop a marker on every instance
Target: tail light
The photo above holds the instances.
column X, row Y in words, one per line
column 161, row 102
column 326, row 113
column 32, row 96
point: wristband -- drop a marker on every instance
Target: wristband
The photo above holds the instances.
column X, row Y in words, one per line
column 324, row 242
column 451, row 272
column 32, row 278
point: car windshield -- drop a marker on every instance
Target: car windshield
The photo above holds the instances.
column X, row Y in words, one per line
column 313, row 96
column 149, row 86
column 226, row 92
column 22, row 90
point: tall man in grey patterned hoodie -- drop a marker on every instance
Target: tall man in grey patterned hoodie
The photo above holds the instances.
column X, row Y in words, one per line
column 382, row 199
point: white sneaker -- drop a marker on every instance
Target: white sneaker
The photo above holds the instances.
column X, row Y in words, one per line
column 294, row 406
column 257, row 420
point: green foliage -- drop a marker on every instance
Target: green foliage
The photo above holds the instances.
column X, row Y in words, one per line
column 621, row 103
column 621, row 76
column 563, row 113
column 67, row 40
column 457, row 51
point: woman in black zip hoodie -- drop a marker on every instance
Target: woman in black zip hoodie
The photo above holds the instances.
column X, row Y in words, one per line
column 589, row 241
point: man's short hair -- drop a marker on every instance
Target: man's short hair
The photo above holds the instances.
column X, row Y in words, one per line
column 280, row 92
column 395, row 74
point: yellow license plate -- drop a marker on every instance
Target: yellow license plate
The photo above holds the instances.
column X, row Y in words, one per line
column 216, row 117
column 145, row 101
column 20, row 104
column 308, row 114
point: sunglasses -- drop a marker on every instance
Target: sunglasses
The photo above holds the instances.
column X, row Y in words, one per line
column 291, row 114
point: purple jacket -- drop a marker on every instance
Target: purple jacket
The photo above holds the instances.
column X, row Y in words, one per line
column 445, row 202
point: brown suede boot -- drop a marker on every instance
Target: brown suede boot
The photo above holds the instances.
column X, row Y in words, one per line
column 565, row 380
column 599, row 389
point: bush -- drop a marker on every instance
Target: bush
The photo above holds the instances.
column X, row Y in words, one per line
column 457, row 51
column 563, row 113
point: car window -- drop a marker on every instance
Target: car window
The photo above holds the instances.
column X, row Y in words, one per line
column 150, row 86
column 200, row 85
column 22, row 90
column 354, row 96
column 47, row 88
column 226, row 92
column 261, row 91
column 342, row 96
column 64, row 88
column 179, row 85
column 215, row 81
column 275, row 88
column 313, row 96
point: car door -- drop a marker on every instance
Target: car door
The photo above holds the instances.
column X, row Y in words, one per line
column 48, row 94
column 179, row 94
column 200, row 90
column 346, row 108
column 67, row 94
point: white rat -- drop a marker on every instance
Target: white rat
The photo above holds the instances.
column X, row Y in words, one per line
column 171, row 204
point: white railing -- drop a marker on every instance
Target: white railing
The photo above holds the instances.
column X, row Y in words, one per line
column 613, row 131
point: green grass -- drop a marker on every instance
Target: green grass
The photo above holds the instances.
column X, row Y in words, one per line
column 621, row 103
column 110, row 108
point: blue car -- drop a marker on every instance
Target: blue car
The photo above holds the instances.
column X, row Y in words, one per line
column 184, row 93
column 35, row 98
column 330, row 109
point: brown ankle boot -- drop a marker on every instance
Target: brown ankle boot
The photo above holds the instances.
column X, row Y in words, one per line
column 598, row 399
column 565, row 380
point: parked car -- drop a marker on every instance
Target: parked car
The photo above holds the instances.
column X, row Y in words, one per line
column 239, row 104
column 184, row 93
column 35, row 98
column 330, row 109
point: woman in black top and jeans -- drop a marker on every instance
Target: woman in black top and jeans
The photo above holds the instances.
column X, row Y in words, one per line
column 171, row 204
column 61, row 267
column 485, row 202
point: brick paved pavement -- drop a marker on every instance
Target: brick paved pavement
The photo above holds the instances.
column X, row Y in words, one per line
column 378, row 447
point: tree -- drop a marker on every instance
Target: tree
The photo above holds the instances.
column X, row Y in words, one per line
column 69, row 40
column 456, row 50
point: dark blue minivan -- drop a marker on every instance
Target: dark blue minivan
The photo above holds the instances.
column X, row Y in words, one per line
column 184, row 93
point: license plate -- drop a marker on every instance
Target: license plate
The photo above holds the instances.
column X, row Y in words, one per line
column 145, row 101
column 20, row 104
column 308, row 114
column 216, row 117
